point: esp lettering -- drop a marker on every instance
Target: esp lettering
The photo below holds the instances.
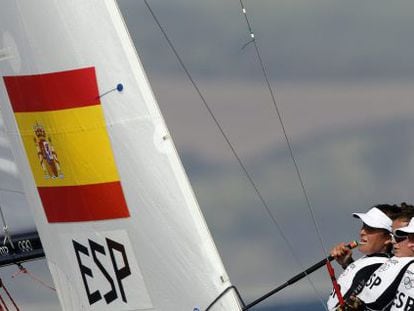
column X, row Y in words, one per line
column 409, row 305
column 399, row 300
column 120, row 270
column 374, row 280
column 403, row 302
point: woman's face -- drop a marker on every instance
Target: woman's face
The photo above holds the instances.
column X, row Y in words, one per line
column 404, row 246
column 400, row 244
column 373, row 240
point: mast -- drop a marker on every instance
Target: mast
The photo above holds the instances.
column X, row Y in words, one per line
column 119, row 223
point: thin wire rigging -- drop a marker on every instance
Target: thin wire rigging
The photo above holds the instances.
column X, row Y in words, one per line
column 256, row 189
column 243, row 167
column 279, row 115
column 23, row 270
column 7, row 235
column 289, row 145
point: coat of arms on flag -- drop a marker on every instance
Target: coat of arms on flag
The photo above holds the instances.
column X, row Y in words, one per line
column 46, row 152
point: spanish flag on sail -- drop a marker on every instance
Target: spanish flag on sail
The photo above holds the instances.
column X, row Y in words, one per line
column 62, row 126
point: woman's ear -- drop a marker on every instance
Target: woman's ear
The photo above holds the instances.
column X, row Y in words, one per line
column 388, row 244
column 388, row 239
column 410, row 244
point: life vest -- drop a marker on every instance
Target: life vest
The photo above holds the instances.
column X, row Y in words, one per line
column 404, row 298
column 381, row 289
column 355, row 276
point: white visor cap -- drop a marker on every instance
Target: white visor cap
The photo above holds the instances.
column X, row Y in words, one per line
column 406, row 230
column 375, row 219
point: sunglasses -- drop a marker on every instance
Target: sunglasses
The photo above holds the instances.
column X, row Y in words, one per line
column 398, row 239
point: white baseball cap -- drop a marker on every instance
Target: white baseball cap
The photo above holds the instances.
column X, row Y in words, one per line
column 375, row 218
column 406, row 230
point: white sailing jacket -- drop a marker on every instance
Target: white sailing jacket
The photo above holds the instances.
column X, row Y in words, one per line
column 381, row 289
column 404, row 299
column 355, row 276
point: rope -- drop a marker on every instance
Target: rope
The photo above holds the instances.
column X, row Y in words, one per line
column 3, row 304
column 243, row 167
column 277, row 110
column 23, row 270
column 336, row 286
column 10, row 297
column 7, row 236
column 279, row 115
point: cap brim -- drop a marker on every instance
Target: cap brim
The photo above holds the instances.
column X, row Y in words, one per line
column 366, row 220
column 404, row 231
column 371, row 222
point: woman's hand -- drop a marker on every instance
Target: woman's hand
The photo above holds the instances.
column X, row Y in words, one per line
column 342, row 254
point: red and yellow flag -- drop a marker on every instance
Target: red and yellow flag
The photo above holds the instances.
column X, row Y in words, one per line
column 62, row 125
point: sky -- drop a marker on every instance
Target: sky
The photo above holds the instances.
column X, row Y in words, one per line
column 342, row 74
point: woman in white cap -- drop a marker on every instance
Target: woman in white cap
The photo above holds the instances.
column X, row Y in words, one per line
column 404, row 297
column 380, row 291
column 375, row 244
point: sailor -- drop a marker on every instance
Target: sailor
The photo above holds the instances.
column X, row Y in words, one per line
column 375, row 244
column 404, row 298
column 380, row 291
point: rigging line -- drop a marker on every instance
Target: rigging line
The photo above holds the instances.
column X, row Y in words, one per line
column 273, row 97
column 243, row 167
column 253, row 184
column 3, row 303
column 23, row 270
column 7, row 235
column 8, row 295
column 279, row 115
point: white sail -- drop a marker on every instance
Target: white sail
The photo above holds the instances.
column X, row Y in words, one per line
column 118, row 220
